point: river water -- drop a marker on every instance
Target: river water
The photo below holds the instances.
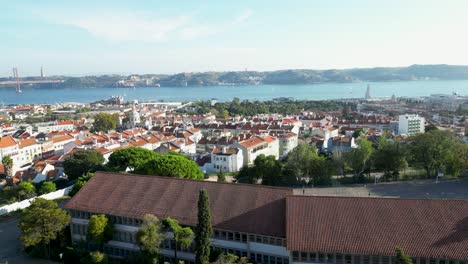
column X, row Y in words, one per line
column 225, row 93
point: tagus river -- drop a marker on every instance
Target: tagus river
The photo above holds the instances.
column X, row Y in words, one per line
column 226, row 93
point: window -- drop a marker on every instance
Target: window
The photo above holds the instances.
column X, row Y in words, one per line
column 375, row 259
column 330, row 258
column 348, row 259
column 304, row 256
column 295, row 256
column 244, row 238
column 321, row 257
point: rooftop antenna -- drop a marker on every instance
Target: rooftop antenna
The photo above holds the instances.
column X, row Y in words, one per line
column 16, row 77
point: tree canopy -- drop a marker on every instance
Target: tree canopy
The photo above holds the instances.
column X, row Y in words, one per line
column 358, row 158
column 183, row 236
column 47, row 187
column 431, row 150
column 173, row 165
column 7, row 163
column 105, row 122
column 41, row 223
column 150, row 236
column 26, row 190
column 100, row 229
column 401, row 257
column 82, row 162
column 131, row 158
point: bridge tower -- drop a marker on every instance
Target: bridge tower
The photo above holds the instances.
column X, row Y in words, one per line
column 16, row 76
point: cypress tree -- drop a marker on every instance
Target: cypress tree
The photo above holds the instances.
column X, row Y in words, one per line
column 204, row 229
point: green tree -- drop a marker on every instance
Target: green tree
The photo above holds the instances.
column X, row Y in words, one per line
column 183, row 236
column 268, row 169
column 173, row 165
column 8, row 166
column 41, row 223
column 358, row 158
column 131, row 158
column 298, row 163
column 321, row 170
column 95, row 257
column 431, row 150
column 150, row 236
column 204, row 229
column 401, row 257
column 246, row 175
column 26, row 190
column 80, row 182
column 82, row 162
column 100, row 230
column 230, row 259
column 105, row 122
column 221, row 176
column 47, row 187
column 389, row 157
column 457, row 162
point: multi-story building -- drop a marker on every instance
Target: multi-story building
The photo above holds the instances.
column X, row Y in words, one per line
column 271, row 225
column 227, row 158
column 287, row 142
column 255, row 146
column 410, row 124
column 55, row 126
column 9, row 147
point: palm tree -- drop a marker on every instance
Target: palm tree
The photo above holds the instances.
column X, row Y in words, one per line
column 8, row 165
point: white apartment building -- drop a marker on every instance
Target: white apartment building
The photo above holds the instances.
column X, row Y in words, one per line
column 55, row 126
column 29, row 151
column 410, row 124
column 287, row 142
column 230, row 159
column 253, row 147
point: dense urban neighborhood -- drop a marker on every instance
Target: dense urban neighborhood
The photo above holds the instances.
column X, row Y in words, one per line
column 135, row 171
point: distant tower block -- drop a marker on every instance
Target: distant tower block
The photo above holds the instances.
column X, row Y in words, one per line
column 368, row 92
column 42, row 72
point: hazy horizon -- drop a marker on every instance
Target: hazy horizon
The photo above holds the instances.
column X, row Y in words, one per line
column 118, row 37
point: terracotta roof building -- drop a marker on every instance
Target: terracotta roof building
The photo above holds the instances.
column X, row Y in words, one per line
column 270, row 225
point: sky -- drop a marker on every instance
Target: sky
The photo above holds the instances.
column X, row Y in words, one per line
column 101, row 37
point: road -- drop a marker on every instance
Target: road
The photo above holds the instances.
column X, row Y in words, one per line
column 10, row 245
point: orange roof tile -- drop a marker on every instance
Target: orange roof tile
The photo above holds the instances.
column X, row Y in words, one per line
column 7, row 141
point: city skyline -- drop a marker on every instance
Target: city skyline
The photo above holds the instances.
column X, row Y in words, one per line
column 117, row 37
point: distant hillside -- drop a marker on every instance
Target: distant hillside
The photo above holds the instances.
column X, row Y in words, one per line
column 414, row 72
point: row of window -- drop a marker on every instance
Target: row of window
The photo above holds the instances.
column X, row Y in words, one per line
column 254, row 257
column 116, row 251
column 78, row 229
column 114, row 219
column 358, row 259
column 123, row 236
column 244, row 238
column 218, row 234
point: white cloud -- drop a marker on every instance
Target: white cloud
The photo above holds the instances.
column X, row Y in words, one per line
column 196, row 31
column 125, row 26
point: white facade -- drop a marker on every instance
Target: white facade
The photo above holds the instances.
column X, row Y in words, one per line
column 287, row 143
column 54, row 126
column 229, row 159
column 410, row 124
column 254, row 147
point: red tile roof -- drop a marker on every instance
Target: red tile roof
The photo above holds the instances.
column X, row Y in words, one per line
column 238, row 207
column 7, row 141
column 375, row 226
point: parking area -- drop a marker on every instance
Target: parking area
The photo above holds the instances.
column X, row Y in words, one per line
column 448, row 189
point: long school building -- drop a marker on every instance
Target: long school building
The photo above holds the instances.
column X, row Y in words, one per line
column 270, row 225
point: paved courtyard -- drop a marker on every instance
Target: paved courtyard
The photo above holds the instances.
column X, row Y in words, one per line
column 452, row 189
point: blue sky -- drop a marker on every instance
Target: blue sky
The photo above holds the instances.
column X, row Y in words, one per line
column 92, row 37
